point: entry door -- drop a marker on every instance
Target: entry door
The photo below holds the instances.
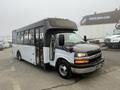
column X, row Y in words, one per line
column 39, row 48
column 52, row 48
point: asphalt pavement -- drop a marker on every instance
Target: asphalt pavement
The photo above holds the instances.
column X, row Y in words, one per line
column 20, row 75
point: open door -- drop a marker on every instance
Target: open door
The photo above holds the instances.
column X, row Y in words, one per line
column 52, row 48
column 39, row 46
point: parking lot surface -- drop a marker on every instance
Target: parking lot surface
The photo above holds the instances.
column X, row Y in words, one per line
column 20, row 75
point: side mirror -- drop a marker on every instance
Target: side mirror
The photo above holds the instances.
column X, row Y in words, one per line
column 85, row 38
column 61, row 40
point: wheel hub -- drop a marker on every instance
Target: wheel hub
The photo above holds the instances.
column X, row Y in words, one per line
column 63, row 70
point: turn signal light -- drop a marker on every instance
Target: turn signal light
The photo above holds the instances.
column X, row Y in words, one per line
column 80, row 61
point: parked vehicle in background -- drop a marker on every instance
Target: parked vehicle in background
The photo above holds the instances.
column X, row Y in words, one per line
column 6, row 44
column 54, row 42
column 1, row 45
column 113, row 41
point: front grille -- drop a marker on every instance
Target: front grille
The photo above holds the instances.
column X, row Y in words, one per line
column 95, row 59
column 95, row 52
column 90, row 53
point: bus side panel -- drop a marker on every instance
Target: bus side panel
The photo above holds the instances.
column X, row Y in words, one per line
column 46, row 54
column 27, row 52
column 62, row 54
column 14, row 50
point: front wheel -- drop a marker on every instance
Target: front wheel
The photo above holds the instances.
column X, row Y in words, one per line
column 64, row 69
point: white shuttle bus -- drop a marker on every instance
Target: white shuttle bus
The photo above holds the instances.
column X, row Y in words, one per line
column 54, row 42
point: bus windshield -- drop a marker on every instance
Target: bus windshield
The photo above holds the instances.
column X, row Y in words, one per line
column 72, row 39
column 116, row 32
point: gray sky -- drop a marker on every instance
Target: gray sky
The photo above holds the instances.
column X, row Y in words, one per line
column 18, row 13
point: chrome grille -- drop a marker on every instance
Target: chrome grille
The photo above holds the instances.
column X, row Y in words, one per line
column 90, row 53
column 94, row 53
column 95, row 59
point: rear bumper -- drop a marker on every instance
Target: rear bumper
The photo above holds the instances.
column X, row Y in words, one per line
column 88, row 68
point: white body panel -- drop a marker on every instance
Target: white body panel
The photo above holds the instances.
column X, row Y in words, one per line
column 46, row 54
column 62, row 54
column 27, row 52
column 96, row 31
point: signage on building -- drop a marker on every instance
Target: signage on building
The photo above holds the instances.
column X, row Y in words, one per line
column 101, row 18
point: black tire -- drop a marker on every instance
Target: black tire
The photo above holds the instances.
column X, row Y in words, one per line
column 19, row 56
column 66, row 74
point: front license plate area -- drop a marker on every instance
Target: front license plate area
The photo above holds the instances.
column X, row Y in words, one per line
column 98, row 66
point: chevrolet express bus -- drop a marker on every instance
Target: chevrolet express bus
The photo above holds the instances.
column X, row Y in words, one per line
column 54, row 42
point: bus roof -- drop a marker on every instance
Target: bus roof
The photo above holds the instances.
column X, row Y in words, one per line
column 51, row 23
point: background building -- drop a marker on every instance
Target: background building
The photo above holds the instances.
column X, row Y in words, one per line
column 99, row 25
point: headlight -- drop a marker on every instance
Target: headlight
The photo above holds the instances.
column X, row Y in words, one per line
column 79, row 60
column 81, row 54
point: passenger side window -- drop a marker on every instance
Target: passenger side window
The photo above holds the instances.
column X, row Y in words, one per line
column 31, row 36
column 41, row 35
column 21, row 37
column 18, row 38
column 37, row 33
column 26, row 37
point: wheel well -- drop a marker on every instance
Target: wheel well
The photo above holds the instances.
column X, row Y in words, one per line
column 60, row 60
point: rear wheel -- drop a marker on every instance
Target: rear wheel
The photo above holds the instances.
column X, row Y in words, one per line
column 64, row 69
column 19, row 56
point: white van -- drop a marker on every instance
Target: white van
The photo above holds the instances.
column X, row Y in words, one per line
column 6, row 44
column 113, row 41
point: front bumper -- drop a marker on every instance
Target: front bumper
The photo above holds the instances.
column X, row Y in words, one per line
column 88, row 68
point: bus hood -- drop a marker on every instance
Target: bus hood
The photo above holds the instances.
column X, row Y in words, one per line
column 85, row 47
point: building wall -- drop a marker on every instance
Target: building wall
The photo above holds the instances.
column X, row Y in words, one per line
column 96, row 31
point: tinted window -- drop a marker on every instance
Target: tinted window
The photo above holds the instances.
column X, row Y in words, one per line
column 18, row 37
column 26, row 41
column 37, row 34
column 21, row 37
column 31, row 36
